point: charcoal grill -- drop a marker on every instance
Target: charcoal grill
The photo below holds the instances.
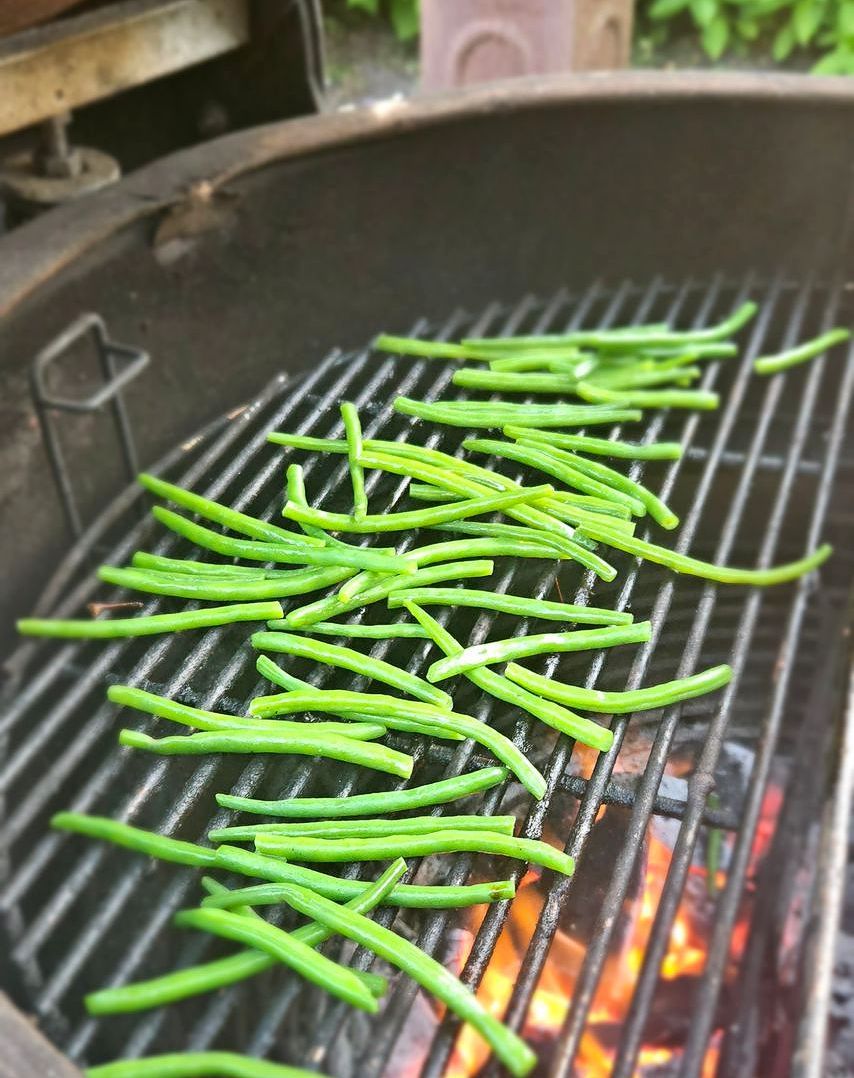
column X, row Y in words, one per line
column 762, row 481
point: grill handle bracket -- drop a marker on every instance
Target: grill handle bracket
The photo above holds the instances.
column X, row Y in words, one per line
column 120, row 364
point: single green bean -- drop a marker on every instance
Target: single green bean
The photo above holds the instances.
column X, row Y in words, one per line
column 163, row 708
column 632, row 378
column 574, row 508
column 355, row 661
column 328, row 850
column 793, row 356
column 520, row 605
column 353, row 430
column 499, row 345
column 600, row 447
column 307, row 442
column 150, row 624
column 151, row 844
column 414, row 346
column 700, row 399
column 622, row 703
column 699, row 350
column 331, row 746
column 232, row 589
column 293, row 953
column 492, row 381
column 197, row 1065
column 143, row 560
column 296, row 553
column 723, row 574
column 210, row 510
column 405, row 895
column 431, row 793
column 323, row 609
column 373, row 828
column 522, row 647
column 660, row 513
column 221, row 972
column 570, row 363
column 497, row 414
column 559, row 718
column 547, row 462
column 391, row 709
column 489, row 547
column 508, row 1047
column 416, row 518
column 355, row 630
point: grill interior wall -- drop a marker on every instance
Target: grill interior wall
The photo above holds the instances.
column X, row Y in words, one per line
column 758, row 472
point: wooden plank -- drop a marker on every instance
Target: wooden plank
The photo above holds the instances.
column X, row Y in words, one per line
column 26, row 1052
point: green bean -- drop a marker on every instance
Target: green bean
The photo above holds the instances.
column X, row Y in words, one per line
column 490, row 547
column 493, row 381
column 293, row 953
column 572, row 363
column 307, row 442
column 233, row 589
column 210, row 510
column 151, row 624
column 573, row 508
column 163, row 708
column 414, row 346
column 793, row 356
column 510, row 1049
column 353, row 430
column 356, row 630
column 373, row 828
column 660, row 513
column 357, row 557
column 515, row 534
column 700, row 399
column 197, row 1065
column 432, row 793
column 622, row 703
column 530, row 515
column 221, row 972
column 328, row 850
column 632, row 378
column 520, row 605
column 416, row 518
column 323, row 609
column 499, row 345
column 497, row 414
column 559, row 718
column 331, row 746
column 356, row 662
column 600, row 447
column 162, row 847
column 699, row 350
column 521, row 647
column 722, row 574
column 268, row 669
column 143, row 560
column 405, row 895
column 392, row 710
column 547, row 462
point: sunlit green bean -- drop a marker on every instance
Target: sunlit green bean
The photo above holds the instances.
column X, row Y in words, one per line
column 355, row 630
column 389, row 709
column 521, row 647
column 162, row 847
column 499, row 414
column 570, row 362
column 621, row 703
column 197, row 1065
column 722, row 574
column 492, row 381
column 353, row 430
column 489, row 547
column 416, row 518
column 414, row 346
column 432, row 793
column 599, row 447
column 520, row 605
column 161, row 564
column 559, row 718
column 700, row 399
column 803, row 352
column 632, row 378
column 406, row 895
column 151, row 624
column 331, row 746
column 508, row 1047
column 373, row 828
column 206, row 586
column 355, row 661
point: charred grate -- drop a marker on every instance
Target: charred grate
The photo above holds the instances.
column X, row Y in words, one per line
column 760, row 482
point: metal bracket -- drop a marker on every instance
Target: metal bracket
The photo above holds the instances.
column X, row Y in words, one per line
column 120, row 364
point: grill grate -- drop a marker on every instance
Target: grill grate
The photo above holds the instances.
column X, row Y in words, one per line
column 755, row 486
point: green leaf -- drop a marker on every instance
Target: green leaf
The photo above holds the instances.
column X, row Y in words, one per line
column 704, row 12
column 715, row 37
column 806, row 19
column 845, row 20
column 838, row 62
column 666, row 9
column 747, row 29
column 784, row 42
column 405, row 19
column 372, row 7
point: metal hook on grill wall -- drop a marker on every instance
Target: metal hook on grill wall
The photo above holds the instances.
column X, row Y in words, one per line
column 120, row 364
